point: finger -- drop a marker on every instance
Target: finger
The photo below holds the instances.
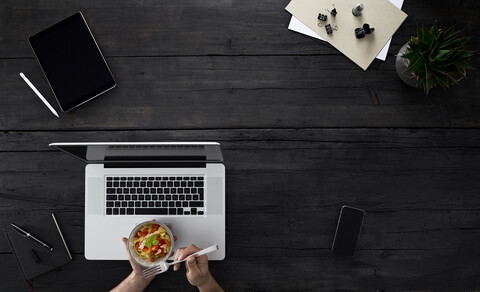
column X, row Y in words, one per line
column 176, row 267
column 192, row 267
column 182, row 253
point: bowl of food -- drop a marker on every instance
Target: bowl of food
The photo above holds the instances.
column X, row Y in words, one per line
column 150, row 243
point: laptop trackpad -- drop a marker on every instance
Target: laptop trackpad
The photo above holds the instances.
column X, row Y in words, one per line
column 94, row 196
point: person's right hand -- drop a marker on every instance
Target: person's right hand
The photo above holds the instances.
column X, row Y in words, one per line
column 197, row 267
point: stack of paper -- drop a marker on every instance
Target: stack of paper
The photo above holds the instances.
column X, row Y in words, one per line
column 385, row 16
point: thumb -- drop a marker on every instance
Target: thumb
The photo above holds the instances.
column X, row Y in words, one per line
column 124, row 239
column 192, row 266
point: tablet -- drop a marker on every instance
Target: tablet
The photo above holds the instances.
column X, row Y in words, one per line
column 72, row 62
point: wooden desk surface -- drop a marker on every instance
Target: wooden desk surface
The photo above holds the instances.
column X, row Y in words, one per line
column 301, row 137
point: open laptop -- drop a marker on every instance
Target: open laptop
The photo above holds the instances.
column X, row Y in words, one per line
column 179, row 184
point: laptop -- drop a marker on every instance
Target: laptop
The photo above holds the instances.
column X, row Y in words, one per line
column 178, row 184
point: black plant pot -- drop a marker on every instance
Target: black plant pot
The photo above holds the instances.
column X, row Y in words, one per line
column 401, row 66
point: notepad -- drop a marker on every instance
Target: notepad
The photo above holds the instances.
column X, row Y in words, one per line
column 47, row 230
column 379, row 14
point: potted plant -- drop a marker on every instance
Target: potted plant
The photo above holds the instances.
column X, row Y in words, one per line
column 433, row 57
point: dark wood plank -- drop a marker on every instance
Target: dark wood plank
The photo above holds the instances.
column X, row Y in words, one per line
column 220, row 27
column 370, row 270
column 221, row 92
column 364, row 138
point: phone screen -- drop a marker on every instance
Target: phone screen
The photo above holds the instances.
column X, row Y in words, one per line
column 348, row 231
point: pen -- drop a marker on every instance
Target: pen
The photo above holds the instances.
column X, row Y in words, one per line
column 38, row 94
column 29, row 235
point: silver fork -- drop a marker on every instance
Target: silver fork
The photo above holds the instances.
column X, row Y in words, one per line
column 163, row 266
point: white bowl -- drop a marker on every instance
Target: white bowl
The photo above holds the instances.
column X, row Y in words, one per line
column 144, row 261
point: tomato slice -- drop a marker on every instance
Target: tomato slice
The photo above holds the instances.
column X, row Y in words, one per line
column 145, row 249
column 156, row 226
column 137, row 245
column 155, row 248
column 168, row 242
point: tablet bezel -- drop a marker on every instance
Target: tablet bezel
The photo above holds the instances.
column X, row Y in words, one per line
column 90, row 95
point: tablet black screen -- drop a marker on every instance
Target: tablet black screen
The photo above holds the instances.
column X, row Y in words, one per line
column 72, row 61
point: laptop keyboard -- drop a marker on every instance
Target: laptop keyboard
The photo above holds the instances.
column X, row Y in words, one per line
column 155, row 195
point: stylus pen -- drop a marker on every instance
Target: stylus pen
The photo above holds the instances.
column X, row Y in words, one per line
column 39, row 94
column 29, row 235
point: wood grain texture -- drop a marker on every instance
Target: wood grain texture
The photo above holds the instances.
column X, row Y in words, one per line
column 301, row 133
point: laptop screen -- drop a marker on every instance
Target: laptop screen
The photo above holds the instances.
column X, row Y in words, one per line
column 142, row 152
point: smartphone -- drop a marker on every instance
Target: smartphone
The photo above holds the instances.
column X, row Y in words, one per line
column 348, row 231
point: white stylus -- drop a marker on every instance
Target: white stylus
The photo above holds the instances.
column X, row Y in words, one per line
column 39, row 94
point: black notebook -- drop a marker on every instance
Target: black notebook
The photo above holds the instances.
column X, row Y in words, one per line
column 40, row 260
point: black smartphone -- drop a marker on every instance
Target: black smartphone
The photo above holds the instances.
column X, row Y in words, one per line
column 348, row 231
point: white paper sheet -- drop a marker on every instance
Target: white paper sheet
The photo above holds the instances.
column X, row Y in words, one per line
column 298, row 26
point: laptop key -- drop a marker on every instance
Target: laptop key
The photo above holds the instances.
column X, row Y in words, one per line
column 129, row 184
column 200, row 178
column 166, row 191
column 189, row 197
column 148, row 197
column 116, row 178
column 131, row 204
column 109, row 211
column 127, row 197
column 117, row 204
column 115, row 211
column 186, row 213
column 164, row 204
column 141, row 197
column 111, row 197
column 175, row 197
column 110, row 191
column 122, row 211
column 153, row 190
column 136, row 184
column 144, row 204
column 124, row 204
column 139, row 190
column 200, row 192
column 159, row 191
column 154, row 197
column 126, row 191
column 130, row 211
column 178, row 204
column 161, row 197
column 168, row 197
column 110, row 204
column 134, row 197
column 116, row 184
column 158, row 204
column 179, row 211
column 194, row 211
column 171, row 204
column 181, row 197
column 120, row 197
column 109, row 178
column 195, row 197
column 200, row 212
column 199, row 183
column 119, row 190
column 133, row 191
column 185, row 204
column 151, row 211
column 151, row 204
column 137, row 204
column 123, row 184
column 196, row 204
column 109, row 184
column 150, row 184
column 172, row 211
column 146, row 191
column 186, row 190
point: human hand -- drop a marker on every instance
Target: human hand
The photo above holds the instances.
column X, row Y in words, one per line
column 197, row 267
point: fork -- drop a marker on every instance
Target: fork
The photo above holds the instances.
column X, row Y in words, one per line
column 163, row 266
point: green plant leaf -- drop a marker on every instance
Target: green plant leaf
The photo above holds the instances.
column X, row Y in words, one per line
column 151, row 241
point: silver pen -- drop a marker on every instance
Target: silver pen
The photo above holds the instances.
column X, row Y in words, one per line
column 29, row 235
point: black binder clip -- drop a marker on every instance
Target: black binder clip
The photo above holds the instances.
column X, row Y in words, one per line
column 360, row 32
column 322, row 17
column 329, row 28
column 333, row 12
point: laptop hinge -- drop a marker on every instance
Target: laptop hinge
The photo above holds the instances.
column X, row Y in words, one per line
column 165, row 164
